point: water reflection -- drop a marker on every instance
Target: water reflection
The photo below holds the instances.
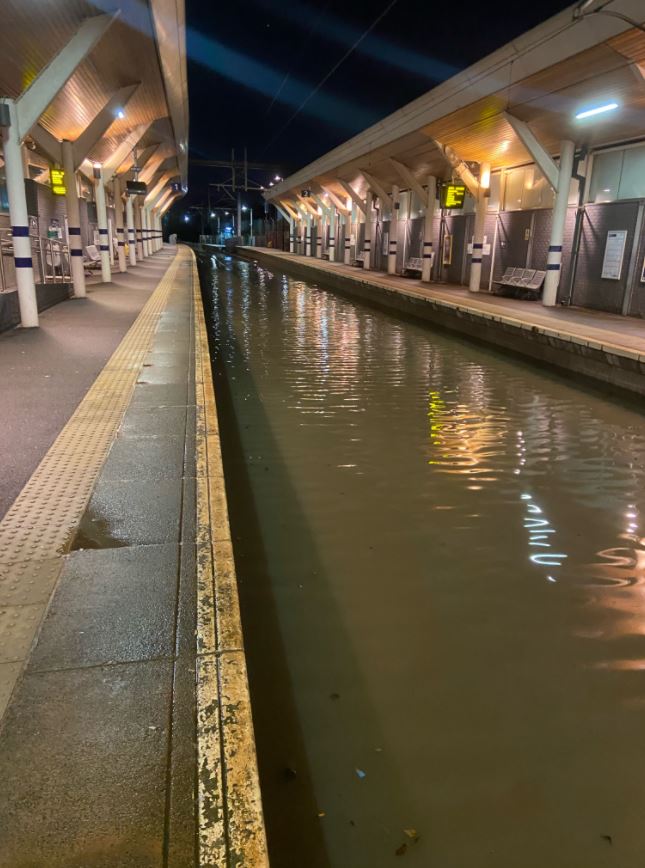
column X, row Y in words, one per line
column 456, row 539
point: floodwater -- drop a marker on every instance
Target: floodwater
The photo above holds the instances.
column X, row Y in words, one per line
column 441, row 561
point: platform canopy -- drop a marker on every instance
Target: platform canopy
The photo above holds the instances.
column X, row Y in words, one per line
column 583, row 58
column 134, row 73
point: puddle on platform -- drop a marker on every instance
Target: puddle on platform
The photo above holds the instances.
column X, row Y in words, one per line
column 94, row 532
column 441, row 560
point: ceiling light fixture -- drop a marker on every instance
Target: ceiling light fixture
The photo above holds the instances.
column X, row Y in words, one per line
column 598, row 110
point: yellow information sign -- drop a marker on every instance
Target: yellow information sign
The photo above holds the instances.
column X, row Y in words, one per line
column 57, row 179
column 453, row 195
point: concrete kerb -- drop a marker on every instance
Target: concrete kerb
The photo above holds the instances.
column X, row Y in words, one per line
column 620, row 367
column 231, row 822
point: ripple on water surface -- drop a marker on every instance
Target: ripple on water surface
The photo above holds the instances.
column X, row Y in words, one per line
column 441, row 562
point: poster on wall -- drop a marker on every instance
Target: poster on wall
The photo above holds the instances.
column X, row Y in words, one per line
column 612, row 263
column 447, row 250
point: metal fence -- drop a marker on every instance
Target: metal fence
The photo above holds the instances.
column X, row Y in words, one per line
column 50, row 258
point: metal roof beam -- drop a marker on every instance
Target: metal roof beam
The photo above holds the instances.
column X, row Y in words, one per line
column 379, row 189
column 47, row 143
column 543, row 159
column 158, row 187
column 408, row 178
column 120, row 154
column 293, row 214
column 342, row 206
column 100, row 124
column 356, row 199
column 51, row 80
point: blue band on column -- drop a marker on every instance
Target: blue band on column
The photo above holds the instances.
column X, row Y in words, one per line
column 76, row 252
column 427, row 243
column 103, row 232
column 74, row 230
column 23, row 262
column 20, row 231
column 427, row 255
column 476, row 259
column 555, row 248
column 478, row 246
column 104, row 247
column 553, row 266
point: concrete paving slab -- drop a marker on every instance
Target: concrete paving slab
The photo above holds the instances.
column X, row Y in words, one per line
column 163, row 374
column 153, row 420
column 111, row 606
column 144, row 457
column 131, row 512
column 83, row 768
column 171, row 395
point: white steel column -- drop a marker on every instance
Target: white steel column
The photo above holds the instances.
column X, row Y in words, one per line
column 144, row 231
column 478, row 234
column 554, row 258
column 319, row 235
column 308, row 236
column 367, row 240
column 118, row 219
column 428, row 225
column 19, row 221
column 292, row 235
column 332, row 234
column 348, row 224
column 393, row 240
column 132, row 238
column 73, row 221
column 101, row 217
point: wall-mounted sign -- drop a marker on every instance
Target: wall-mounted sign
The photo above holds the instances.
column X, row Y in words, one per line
column 453, row 195
column 136, row 188
column 612, row 263
column 57, row 181
column 305, row 194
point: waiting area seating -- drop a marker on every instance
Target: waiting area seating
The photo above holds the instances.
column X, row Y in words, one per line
column 92, row 258
column 414, row 263
column 361, row 259
column 522, row 278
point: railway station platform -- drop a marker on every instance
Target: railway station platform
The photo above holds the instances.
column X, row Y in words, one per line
column 597, row 346
column 125, row 726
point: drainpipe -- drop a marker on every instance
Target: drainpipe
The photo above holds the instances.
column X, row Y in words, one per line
column 428, row 222
column 129, row 219
column 73, row 221
column 554, row 259
column 367, row 240
column 577, row 229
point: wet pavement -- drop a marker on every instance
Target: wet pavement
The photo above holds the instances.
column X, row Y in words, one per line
column 97, row 746
column 441, row 559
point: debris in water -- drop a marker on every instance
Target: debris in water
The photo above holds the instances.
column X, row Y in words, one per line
column 607, row 838
column 321, row 814
column 290, row 773
column 334, row 695
column 402, row 850
column 412, row 833
column 361, row 774
column 378, row 749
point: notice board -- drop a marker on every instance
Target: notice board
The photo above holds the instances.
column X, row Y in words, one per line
column 612, row 263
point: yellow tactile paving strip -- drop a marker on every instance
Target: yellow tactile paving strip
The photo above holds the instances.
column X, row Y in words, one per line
column 38, row 529
column 231, row 824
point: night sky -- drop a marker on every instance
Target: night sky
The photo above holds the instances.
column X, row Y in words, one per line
column 253, row 63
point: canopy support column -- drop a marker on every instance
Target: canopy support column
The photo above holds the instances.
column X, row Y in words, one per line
column 73, row 221
column 478, row 235
column 554, row 258
column 428, row 225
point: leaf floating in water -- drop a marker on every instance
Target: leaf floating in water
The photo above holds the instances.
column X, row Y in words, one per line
column 402, row 850
column 321, row 814
column 334, row 695
column 607, row 838
column 412, row 833
column 361, row 774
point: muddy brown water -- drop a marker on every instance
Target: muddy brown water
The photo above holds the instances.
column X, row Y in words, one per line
column 441, row 563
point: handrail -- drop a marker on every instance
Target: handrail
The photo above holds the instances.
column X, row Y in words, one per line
column 51, row 260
